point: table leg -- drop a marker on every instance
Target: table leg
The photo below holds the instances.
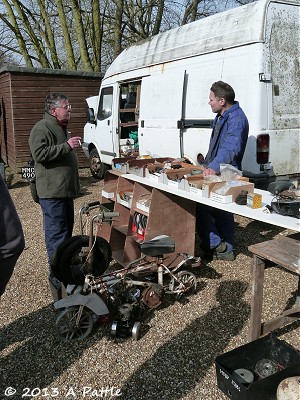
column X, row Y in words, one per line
column 257, row 272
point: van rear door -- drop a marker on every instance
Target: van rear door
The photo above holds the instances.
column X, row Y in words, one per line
column 282, row 39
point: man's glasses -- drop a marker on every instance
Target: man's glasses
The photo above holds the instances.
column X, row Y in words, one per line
column 67, row 107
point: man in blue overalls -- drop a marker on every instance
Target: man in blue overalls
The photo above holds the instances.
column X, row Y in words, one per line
column 227, row 145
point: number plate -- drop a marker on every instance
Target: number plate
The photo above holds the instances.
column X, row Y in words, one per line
column 28, row 173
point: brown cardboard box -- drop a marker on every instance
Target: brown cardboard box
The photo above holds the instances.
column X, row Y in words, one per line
column 120, row 163
column 176, row 178
column 155, row 172
column 195, row 183
column 208, row 186
column 184, row 171
column 231, row 194
column 179, row 173
column 138, row 167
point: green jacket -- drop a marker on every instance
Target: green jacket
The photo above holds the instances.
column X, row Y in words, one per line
column 56, row 166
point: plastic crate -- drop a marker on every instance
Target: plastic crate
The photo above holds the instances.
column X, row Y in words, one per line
column 263, row 387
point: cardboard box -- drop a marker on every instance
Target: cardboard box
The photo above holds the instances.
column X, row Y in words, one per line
column 154, row 172
column 177, row 173
column 142, row 207
column 120, row 163
column 109, row 190
column 125, row 198
column 248, row 357
column 158, row 172
column 207, row 187
column 176, row 178
column 195, row 183
column 221, row 198
column 156, row 177
column 143, row 202
column 182, row 184
column 137, row 167
column 231, row 194
column 127, row 146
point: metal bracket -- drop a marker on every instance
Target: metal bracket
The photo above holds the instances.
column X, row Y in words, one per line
column 194, row 123
column 265, row 77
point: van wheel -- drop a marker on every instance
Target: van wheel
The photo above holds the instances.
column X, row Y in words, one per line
column 97, row 167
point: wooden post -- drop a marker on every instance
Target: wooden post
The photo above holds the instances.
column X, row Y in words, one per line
column 257, row 272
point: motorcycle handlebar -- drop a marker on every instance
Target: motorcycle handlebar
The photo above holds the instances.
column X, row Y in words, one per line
column 93, row 204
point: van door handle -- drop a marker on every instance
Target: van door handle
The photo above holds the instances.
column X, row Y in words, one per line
column 108, row 122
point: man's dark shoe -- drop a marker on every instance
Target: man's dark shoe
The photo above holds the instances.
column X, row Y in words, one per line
column 220, row 252
column 217, row 253
column 222, row 246
column 208, row 253
column 225, row 256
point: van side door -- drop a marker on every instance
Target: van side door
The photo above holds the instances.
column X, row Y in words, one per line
column 160, row 110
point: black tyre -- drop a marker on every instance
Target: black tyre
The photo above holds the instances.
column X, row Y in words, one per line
column 54, row 263
column 72, row 265
column 97, row 167
column 33, row 192
column 73, row 324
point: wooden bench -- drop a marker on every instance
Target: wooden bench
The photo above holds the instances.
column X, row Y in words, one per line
column 283, row 252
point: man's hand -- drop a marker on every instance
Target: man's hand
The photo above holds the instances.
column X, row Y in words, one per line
column 208, row 171
column 74, row 142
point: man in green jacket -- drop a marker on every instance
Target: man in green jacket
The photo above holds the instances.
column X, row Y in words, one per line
column 57, row 178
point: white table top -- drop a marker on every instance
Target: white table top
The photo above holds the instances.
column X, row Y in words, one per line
column 259, row 214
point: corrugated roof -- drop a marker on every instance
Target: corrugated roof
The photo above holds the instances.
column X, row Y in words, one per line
column 239, row 26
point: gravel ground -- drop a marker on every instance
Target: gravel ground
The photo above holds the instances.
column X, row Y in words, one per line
column 174, row 359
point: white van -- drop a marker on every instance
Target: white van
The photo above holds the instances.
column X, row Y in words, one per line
column 153, row 98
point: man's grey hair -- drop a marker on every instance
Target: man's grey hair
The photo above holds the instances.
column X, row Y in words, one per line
column 54, row 100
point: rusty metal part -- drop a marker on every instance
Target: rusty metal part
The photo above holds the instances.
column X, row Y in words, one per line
column 125, row 311
column 289, row 389
column 265, row 367
column 152, row 296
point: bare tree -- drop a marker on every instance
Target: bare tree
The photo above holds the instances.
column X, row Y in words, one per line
column 89, row 34
column 11, row 22
column 118, row 27
column 6, row 59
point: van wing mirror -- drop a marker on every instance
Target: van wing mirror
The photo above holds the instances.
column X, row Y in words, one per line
column 91, row 116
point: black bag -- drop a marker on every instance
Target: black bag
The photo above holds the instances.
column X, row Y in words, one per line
column 34, row 195
column 32, row 185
